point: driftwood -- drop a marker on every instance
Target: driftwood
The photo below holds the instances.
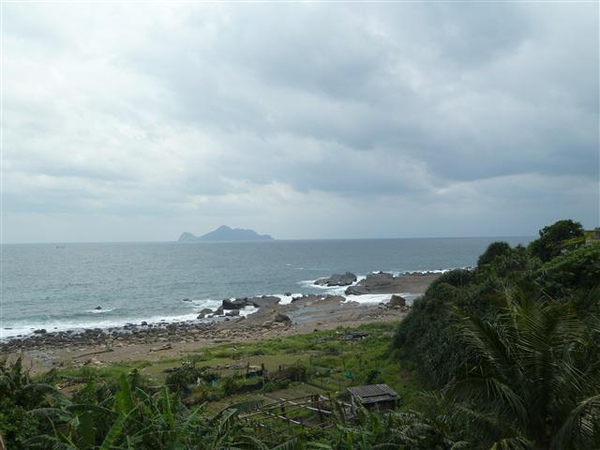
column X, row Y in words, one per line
column 167, row 346
column 97, row 352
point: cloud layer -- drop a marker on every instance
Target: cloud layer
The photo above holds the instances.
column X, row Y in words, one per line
column 305, row 120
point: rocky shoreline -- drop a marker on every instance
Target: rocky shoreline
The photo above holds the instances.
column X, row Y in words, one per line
column 304, row 314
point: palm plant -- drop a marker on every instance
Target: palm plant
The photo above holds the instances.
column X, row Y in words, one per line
column 130, row 419
column 19, row 393
column 532, row 379
column 17, row 386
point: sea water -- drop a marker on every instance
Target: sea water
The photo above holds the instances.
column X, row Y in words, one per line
column 73, row 286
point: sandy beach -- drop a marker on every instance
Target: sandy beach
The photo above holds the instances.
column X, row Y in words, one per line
column 152, row 342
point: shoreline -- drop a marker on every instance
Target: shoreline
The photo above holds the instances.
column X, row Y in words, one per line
column 155, row 341
column 189, row 308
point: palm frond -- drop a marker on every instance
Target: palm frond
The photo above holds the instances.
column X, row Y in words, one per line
column 583, row 422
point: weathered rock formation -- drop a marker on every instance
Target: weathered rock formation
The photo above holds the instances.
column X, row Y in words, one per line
column 386, row 283
column 337, row 280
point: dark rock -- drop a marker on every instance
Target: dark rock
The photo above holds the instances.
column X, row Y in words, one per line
column 288, row 294
column 337, row 280
column 98, row 308
column 233, row 313
column 205, row 312
column 238, row 303
column 377, row 283
column 397, row 301
column 279, row 317
column 186, row 300
column 356, row 290
column 261, row 302
column 40, row 331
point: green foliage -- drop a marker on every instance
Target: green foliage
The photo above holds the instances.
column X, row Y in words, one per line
column 112, row 409
column 180, row 378
column 426, row 336
column 295, row 372
column 511, row 267
column 513, row 370
column 19, row 394
column 131, row 418
column 390, row 430
column 555, row 239
column 229, row 386
column 494, row 250
column 573, row 272
column 533, row 377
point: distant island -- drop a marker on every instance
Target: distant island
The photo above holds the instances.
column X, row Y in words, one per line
column 225, row 233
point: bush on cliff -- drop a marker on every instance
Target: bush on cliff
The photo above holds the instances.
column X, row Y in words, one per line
column 518, row 336
column 427, row 336
column 557, row 238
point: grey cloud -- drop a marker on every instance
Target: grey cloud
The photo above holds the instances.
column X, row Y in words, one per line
column 477, row 33
column 347, row 77
column 170, row 109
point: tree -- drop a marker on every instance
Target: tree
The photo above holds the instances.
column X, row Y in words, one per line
column 494, row 250
column 555, row 239
column 576, row 272
column 533, row 378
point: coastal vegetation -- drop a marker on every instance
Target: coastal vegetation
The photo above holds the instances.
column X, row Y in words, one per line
column 511, row 349
column 502, row 356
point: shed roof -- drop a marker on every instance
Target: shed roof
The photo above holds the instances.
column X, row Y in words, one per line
column 373, row 393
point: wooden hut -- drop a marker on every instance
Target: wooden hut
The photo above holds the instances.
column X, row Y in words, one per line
column 375, row 396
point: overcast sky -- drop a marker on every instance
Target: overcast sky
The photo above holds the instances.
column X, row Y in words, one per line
column 138, row 121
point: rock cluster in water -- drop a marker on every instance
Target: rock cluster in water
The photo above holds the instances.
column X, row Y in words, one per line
column 345, row 279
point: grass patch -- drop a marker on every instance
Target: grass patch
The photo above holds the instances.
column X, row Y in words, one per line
column 324, row 361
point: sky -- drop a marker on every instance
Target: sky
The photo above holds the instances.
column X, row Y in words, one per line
column 137, row 121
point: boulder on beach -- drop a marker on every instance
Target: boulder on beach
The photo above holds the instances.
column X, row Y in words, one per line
column 279, row 317
column 397, row 301
column 337, row 279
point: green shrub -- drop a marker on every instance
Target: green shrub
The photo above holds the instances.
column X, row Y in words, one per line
column 180, row 378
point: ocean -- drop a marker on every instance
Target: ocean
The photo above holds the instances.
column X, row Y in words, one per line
column 74, row 286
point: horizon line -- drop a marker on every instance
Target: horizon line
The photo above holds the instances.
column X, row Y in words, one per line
column 265, row 241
